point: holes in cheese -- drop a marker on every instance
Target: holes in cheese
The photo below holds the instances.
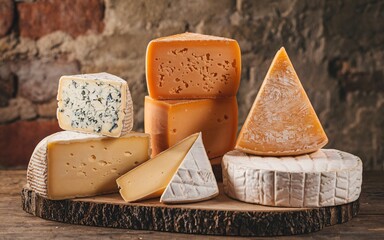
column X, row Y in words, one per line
column 170, row 121
column 282, row 120
column 95, row 103
column 64, row 166
column 191, row 65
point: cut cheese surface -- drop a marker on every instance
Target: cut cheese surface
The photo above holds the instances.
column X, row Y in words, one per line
column 326, row 177
column 170, row 121
column 194, row 179
column 191, row 66
column 149, row 180
column 95, row 103
column 282, row 121
column 70, row 164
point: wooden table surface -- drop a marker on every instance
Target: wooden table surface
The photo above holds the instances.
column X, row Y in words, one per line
column 16, row 224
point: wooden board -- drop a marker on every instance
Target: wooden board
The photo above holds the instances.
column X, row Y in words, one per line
column 216, row 167
column 219, row 216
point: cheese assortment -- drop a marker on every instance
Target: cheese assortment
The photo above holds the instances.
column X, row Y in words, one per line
column 191, row 65
column 70, row 164
column 95, row 103
column 170, row 121
column 282, row 121
column 89, row 159
column 279, row 160
column 192, row 78
column 190, row 117
column 99, row 146
column 182, row 173
column 326, row 177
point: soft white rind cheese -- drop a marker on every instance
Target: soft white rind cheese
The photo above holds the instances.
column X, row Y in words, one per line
column 324, row 178
column 95, row 103
column 71, row 164
column 194, row 179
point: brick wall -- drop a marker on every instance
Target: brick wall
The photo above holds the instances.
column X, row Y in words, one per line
column 336, row 47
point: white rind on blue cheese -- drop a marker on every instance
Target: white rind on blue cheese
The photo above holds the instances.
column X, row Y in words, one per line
column 326, row 177
column 97, row 103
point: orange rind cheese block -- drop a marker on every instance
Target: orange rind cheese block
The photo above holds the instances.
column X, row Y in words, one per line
column 282, row 121
column 193, row 66
column 170, row 121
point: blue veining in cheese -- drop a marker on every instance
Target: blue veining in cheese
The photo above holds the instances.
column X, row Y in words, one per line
column 95, row 103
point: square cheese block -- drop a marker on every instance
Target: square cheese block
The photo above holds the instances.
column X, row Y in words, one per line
column 282, row 121
column 97, row 103
column 180, row 174
column 191, row 66
column 70, row 164
column 170, row 121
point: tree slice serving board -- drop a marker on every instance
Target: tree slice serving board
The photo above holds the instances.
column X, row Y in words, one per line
column 216, row 168
column 219, row 216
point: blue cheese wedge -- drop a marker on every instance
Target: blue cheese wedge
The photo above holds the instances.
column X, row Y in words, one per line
column 97, row 103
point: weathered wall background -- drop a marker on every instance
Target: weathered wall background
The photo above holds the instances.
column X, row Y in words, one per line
column 337, row 48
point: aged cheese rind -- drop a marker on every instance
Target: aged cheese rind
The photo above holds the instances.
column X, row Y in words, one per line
column 90, row 165
column 170, row 121
column 37, row 171
column 150, row 179
column 194, row 179
column 324, row 178
column 282, row 121
column 193, row 66
column 97, row 103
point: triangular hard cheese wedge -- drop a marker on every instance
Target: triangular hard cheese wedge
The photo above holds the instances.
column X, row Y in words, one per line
column 150, row 179
column 194, row 179
column 282, row 120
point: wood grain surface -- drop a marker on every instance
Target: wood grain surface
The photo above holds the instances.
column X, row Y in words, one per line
column 15, row 223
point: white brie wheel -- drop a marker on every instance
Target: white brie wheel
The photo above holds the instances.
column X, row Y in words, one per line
column 326, row 177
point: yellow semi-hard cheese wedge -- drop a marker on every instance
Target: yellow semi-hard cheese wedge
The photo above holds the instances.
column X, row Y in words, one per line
column 70, row 164
column 282, row 121
column 150, row 179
